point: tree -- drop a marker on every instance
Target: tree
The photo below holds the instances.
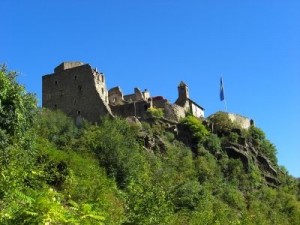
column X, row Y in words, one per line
column 17, row 108
column 17, row 114
column 221, row 123
column 114, row 142
column 56, row 127
column 196, row 128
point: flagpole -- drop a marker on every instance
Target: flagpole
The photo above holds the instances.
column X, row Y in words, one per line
column 225, row 103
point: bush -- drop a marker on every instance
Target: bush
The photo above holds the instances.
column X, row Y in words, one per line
column 56, row 127
column 258, row 137
column 115, row 143
column 17, row 108
column 156, row 112
column 213, row 144
column 196, row 128
column 256, row 134
column 221, row 123
column 186, row 195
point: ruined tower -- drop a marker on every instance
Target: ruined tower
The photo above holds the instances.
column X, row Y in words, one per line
column 78, row 90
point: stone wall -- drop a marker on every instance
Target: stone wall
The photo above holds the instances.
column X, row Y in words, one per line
column 115, row 96
column 196, row 110
column 67, row 65
column 244, row 122
column 137, row 109
column 79, row 91
column 174, row 112
column 171, row 111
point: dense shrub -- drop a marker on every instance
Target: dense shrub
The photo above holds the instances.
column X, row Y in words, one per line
column 115, row 145
column 197, row 130
column 221, row 124
column 56, row 127
column 156, row 112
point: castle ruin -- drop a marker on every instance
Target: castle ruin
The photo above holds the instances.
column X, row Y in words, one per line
column 80, row 91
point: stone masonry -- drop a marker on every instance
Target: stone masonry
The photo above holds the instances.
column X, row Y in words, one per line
column 80, row 91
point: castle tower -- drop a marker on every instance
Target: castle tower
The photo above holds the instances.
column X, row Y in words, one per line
column 78, row 90
column 183, row 91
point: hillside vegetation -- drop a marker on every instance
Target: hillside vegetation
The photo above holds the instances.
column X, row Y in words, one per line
column 120, row 172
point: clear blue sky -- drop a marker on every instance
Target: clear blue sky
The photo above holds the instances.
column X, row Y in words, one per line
column 155, row 44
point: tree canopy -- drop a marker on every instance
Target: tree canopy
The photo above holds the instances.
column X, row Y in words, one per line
column 53, row 172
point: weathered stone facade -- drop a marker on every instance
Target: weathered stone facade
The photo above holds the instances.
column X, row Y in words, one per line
column 244, row 122
column 80, row 91
column 186, row 103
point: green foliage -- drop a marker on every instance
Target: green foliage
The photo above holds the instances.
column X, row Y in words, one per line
column 233, row 137
column 197, row 129
column 256, row 134
column 213, row 144
column 186, row 195
column 52, row 172
column 17, row 108
column 56, row 127
column 258, row 137
column 84, row 186
column 207, row 168
column 221, row 123
column 147, row 204
column 156, row 112
column 114, row 143
column 269, row 150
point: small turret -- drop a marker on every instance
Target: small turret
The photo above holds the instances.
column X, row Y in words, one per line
column 183, row 91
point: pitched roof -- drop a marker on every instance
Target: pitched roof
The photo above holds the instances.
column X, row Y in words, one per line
column 182, row 84
column 182, row 102
column 195, row 104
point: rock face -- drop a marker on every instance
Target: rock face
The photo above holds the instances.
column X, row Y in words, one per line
column 243, row 150
column 249, row 155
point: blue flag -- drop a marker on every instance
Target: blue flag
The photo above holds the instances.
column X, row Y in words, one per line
column 222, row 97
